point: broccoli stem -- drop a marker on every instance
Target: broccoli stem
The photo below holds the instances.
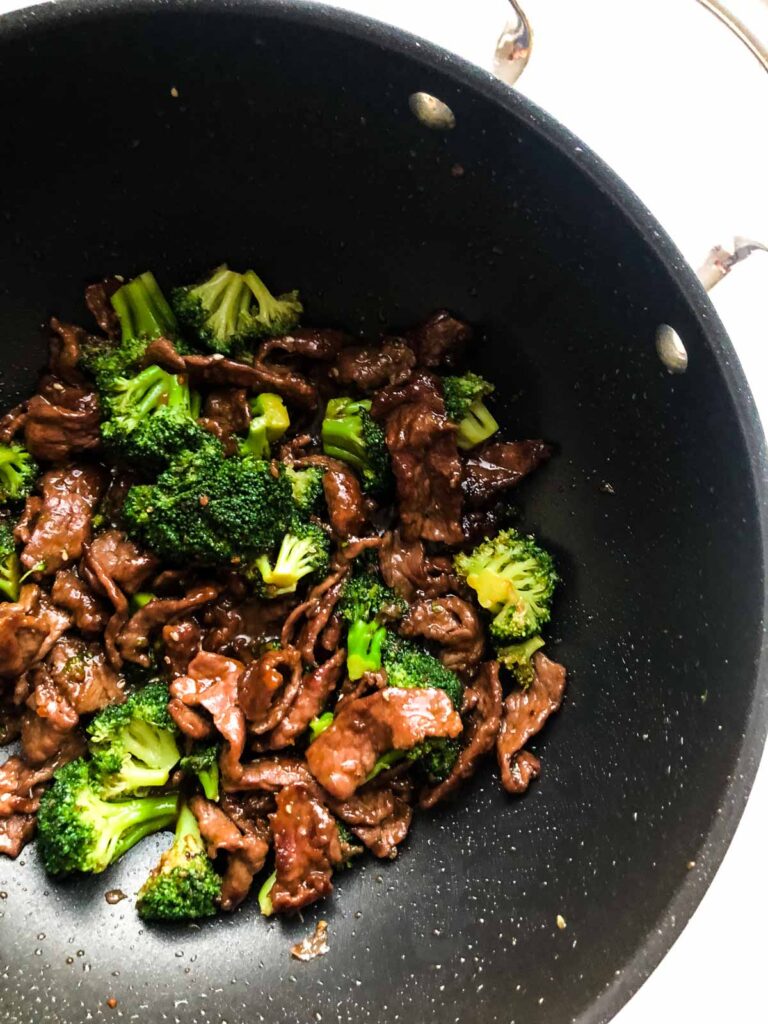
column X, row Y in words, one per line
column 264, row 898
column 364, row 642
column 142, row 309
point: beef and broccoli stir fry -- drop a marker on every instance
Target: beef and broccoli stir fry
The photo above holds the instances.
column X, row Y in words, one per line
column 260, row 588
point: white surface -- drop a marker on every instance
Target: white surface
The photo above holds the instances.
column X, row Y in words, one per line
column 664, row 93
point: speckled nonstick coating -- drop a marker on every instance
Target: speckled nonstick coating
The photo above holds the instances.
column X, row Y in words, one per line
column 291, row 146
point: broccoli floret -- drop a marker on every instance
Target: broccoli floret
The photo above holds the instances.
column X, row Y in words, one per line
column 80, row 831
column 269, row 421
column 133, row 745
column 465, row 406
column 436, row 757
column 264, row 897
column 204, row 763
column 18, row 472
column 517, row 658
column 153, row 416
column 364, row 602
column 10, row 573
column 307, row 486
column 184, row 885
column 514, row 580
column 318, row 725
column 208, row 510
column 350, row 433
column 304, row 550
column 410, row 666
column 276, row 316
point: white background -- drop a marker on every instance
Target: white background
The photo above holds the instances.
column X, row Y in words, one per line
column 664, row 93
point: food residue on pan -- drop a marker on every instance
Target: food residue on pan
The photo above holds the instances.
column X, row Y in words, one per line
column 113, row 896
column 314, row 945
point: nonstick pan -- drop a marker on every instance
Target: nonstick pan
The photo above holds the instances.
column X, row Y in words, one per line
column 172, row 136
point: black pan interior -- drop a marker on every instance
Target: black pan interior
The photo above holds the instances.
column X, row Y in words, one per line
column 290, row 145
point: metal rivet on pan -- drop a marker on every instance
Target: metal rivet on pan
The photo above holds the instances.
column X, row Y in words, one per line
column 431, row 111
column 671, row 349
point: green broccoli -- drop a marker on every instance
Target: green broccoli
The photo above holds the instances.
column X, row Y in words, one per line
column 10, row 573
column 208, row 510
column 409, row 666
column 350, row 433
column 18, row 472
column 307, row 487
column 351, row 847
column 304, row 550
column 514, row 580
column 269, row 421
column 264, row 897
column 184, row 885
column 436, row 757
column 464, row 404
column 133, row 745
column 517, row 658
column 319, row 724
column 203, row 762
column 364, row 601
column 153, row 416
column 80, row 831
column 229, row 311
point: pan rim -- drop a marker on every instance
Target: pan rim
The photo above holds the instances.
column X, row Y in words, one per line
column 661, row 937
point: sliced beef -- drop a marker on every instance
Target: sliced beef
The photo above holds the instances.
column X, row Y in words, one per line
column 525, row 712
column 343, row 495
column 482, row 722
column 97, row 299
column 226, row 414
column 383, row 838
column 62, row 421
column 135, row 638
column 211, row 684
column 313, row 693
column 307, row 849
column 421, row 387
column 12, row 422
column 452, row 623
column 441, row 340
column 181, row 642
column 392, row 719
column 305, row 624
column 427, row 470
column 480, row 523
column 315, row 343
column 80, row 671
column 73, row 595
column 499, row 465
column 245, row 849
column 370, row 367
column 62, row 524
column 114, row 566
column 15, row 832
column 406, row 567
column 28, row 630
column 65, row 343
column 267, row 688
column 270, row 775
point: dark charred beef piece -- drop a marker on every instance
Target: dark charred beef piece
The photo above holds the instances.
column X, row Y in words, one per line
column 440, row 340
column 314, row 690
column 134, row 640
column 392, row 719
column 420, row 388
column 497, row 466
column 12, row 422
column 61, row 525
column 406, row 567
column 427, row 471
column 226, row 414
column 62, row 421
column 217, row 371
column 268, row 687
column 211, row 684
column 452, row 623
column 97, row 299
column 270, row 775
column 369, row 367
column 245, row 849
column 28, row 630
column 316, row 343
column 73, row 595
column 343, row 495
column 482, row 707
column 181, row 642
column 307, row 849
column 114, row 566
column 305, row 624
column 525, row 712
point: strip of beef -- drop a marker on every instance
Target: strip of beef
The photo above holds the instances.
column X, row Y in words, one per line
column 15, row 832
column 409, row 570
column 270, row 775
column 370, row 367
column 317, row 343
column 181, row 642
column 239, row 628
column 226, row 414
column 268, row 687
column 525, row 712
column 482, row 702
column 441, row 340
column 314, row 691
column 342, row 757
column 383, row 838
column 97, row 299
column 495, row 467
column 480, row 523
column 307, row 849
column 62, row 421
column 452, row 623
column 65, row 342
column 211, row 684
column 304, row 626
column 135, row 638
column 217, row 371
column 421, row 387
column 28, row 630
column 73, row 595
column 246, row 850
column 12, row 422
column 114, row 566
column 61, row 526
column 343, row 495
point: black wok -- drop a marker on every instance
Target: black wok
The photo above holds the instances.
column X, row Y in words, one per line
column 291, row 145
